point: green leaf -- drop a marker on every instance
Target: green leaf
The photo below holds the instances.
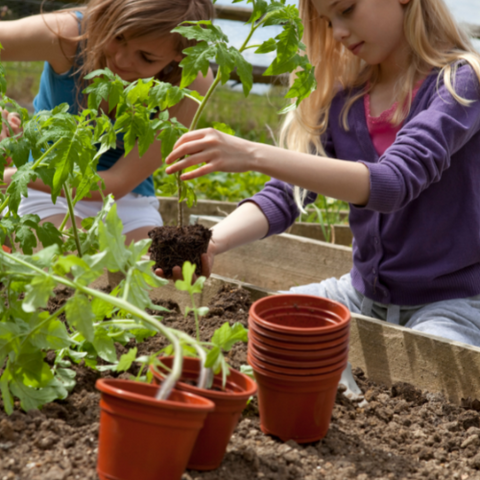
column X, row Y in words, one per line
column 30, row 367
column 212, row 357
column 185, row 285
column 112, row 241
column 197, row 59
column 268, row 46
column 80, row 316
column 66, row 377
column 226, row 336
column 222, row 127
column 37, row 293
column 52, row 335
column 6, row 395
column 19, row 184
column 225, row 60
column 104, row 345
column 48, row 235
column 126, row 360
column 209, row 32
column 168, row 136
column 101, row 309
column 244, row 70
column 32, row 398
column 26, row 238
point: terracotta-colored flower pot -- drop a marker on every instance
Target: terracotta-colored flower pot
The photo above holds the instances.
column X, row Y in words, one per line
column 209, row 449
column 298, row 314
column 298, row 371
column 144, row 438
column 296, row 364
column 281, row 337
column 305, row 347
column 295, row 355
column 296, row 408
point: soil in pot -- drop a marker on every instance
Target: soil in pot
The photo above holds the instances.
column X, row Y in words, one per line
column 172, row 246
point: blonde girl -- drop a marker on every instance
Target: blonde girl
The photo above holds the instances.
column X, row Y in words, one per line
column 131, row 38
column 393, row 128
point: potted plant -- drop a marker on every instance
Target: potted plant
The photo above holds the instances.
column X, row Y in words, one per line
column 172, row 246
column 227, row 388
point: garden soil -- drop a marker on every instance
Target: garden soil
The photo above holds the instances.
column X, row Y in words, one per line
column 401, row 433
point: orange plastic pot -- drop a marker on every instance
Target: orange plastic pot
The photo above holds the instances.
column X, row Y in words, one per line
column 297, row 364
column 144, row 438
column 295, row 371
column 296, row 408
column 295, row 355
column 289, row 337
column 212, row 441
column 297, row 314
column 305, row 347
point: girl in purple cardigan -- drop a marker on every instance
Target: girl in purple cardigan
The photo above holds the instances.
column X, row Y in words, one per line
column 394, row 129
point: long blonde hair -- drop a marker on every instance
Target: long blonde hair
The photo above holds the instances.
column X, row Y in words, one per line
column 435, row 40
column 103, row 20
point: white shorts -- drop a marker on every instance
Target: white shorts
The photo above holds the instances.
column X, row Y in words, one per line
column 135, row 211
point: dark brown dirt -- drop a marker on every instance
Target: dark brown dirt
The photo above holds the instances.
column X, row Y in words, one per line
column 172, row 246
column 401, row 434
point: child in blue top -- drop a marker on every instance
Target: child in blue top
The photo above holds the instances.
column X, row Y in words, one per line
column 395, row 127
column 133, row 40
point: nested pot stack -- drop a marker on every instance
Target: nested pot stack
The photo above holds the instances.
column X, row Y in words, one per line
column 298, row 348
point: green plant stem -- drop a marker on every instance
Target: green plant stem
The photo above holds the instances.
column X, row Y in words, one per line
column 64, row 222
column 68, row 196
column 4, row 204
column 195, row 314
column 169, row 381
column 39, row 161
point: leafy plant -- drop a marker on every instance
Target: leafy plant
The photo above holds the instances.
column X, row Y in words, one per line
column 213, row 45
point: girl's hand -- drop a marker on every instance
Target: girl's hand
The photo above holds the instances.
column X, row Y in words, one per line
column 7, row 177
column 220, row 152
column 13, row 121
column 207, row 266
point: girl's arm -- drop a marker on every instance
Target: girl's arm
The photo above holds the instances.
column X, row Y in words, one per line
column 37, row 38
column 131, row 170
column 347, row 181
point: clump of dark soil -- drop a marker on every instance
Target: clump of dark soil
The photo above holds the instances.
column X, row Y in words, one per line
column 172, row 246
column 402, row 433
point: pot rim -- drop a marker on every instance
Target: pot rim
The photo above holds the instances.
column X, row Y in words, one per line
column 245, row 393
column 291, row 298
column 278, row 377
column 303, row 354
column 304, row 364
column 291, row 346
column 299, row 372
column 183, row 400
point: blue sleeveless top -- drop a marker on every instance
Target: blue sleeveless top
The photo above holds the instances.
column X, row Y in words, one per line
column 62, row 88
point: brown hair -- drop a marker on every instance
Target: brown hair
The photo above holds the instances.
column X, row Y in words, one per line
column 103, row 20
column 435, row 41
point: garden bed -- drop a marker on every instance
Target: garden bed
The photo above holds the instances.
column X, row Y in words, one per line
column 401, row 433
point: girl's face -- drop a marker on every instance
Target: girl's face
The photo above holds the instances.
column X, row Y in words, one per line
column 371, row 29
column 141, row 57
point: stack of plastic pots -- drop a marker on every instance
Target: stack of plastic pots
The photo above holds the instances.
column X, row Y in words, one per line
column 298, row 348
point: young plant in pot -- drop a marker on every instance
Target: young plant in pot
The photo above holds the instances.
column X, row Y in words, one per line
column 207, row 375
column 172, row 246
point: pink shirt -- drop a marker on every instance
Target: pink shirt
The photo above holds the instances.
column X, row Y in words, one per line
column 382, row 132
